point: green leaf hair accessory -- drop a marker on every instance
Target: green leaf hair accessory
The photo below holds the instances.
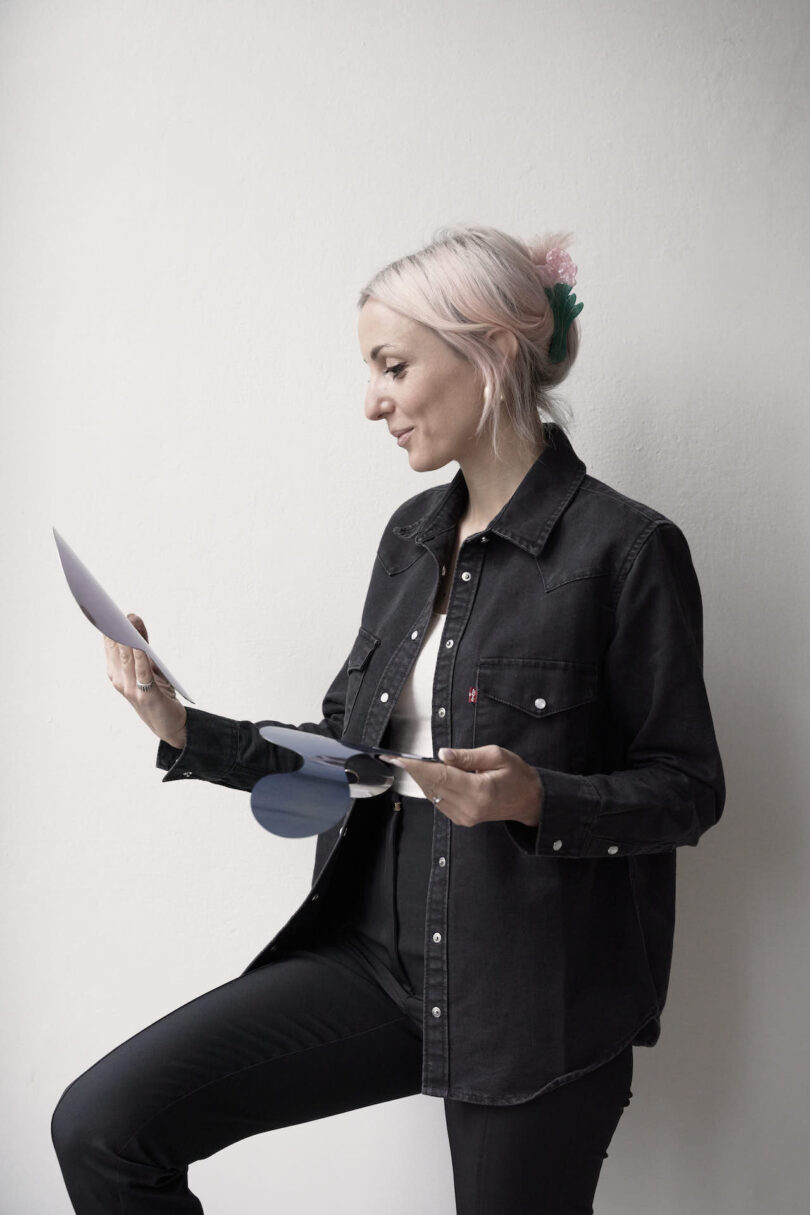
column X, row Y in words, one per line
column 560, row 269
column 565, row 310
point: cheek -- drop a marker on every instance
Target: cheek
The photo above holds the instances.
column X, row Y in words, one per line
column 446, row 405
column 461, row 413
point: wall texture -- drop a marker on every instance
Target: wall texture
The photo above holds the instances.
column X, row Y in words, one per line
column 192, row 194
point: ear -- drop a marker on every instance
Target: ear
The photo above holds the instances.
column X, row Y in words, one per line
column 505, row 340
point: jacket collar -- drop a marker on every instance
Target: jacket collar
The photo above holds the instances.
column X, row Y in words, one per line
column 529, row 515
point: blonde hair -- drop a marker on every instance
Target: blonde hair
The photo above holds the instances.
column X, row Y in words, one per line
column 469, row 280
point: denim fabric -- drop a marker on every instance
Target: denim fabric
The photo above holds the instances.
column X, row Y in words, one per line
column 311, row 1037
column 576, row 642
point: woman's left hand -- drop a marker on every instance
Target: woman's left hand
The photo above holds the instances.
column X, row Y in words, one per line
column 479, row 785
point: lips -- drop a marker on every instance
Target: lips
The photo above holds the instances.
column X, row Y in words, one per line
column 402, row 436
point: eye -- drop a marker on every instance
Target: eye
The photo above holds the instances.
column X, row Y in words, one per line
column 396, row 371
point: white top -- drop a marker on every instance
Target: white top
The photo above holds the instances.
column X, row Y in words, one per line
column 411, row 716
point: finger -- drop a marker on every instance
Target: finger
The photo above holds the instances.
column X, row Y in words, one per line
column 437, row 780
column 126, row 667
column 111, row 656
column 139, row 625
column 473, row 759
column 143, row 668
column 163, row 683
column 450, row 784
column 414, row 767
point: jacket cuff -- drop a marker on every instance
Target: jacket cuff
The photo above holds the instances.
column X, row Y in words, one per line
column 210, row 750
column 567, row 813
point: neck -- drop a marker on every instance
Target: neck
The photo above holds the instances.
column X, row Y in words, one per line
column 491, row 482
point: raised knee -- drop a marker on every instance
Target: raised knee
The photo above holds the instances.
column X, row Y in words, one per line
column 74, row 1123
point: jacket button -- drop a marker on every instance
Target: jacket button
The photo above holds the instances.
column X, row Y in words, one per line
column 414, row 635
column 557, row 845
column 539, row 703
column 466, row 576
column 613, row 850
column 441, row 712
column 384, row 697
column 442, row 861
column 437, row 1012
column 449, row 644
column 437, row 936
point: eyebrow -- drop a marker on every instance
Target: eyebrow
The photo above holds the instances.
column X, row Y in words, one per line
column 377, row 349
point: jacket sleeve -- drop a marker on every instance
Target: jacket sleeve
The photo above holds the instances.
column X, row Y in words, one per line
column 670, row 788
column 233, row 753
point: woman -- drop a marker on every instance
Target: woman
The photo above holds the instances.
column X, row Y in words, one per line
column 496, row 929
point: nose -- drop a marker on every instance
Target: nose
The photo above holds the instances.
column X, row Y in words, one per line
column 378, row 403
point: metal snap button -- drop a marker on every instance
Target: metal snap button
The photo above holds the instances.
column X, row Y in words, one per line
column 466, row 576
column 437, row 1012
column 449, row 644
column 437, row 936
column 384, row 697
column 414, row 635
column 442, row 711
column 557, row 845
column 539, row 703
column 442, row 862
column 613, row 849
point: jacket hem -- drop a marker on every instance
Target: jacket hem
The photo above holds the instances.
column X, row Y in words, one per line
column 476, row 1097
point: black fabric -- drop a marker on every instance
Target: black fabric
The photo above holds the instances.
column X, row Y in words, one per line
column 310, row 1037
column 388, row 922
column 574, row 638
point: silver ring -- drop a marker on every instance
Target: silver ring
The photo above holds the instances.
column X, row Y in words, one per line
column 145, row 687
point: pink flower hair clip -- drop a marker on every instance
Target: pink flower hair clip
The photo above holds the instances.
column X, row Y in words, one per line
column 559, row 274
column 561, row 267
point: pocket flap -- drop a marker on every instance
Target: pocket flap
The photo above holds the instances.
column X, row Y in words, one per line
column 364, row 646
column 538, row 686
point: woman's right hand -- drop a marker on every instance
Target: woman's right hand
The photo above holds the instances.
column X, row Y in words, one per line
column 159, row 707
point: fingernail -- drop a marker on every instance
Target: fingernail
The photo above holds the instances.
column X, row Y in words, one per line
column 446, row 753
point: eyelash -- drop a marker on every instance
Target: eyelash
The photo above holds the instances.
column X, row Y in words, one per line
column 397, row 370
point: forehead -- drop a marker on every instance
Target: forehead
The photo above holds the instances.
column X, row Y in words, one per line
column 377, row 324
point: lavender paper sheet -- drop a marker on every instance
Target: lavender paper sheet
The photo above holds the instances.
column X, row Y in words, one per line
column 100, row 610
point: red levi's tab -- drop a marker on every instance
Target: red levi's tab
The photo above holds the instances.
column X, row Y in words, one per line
column 472, row 695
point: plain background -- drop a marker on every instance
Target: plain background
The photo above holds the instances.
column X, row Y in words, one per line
column 192, row 195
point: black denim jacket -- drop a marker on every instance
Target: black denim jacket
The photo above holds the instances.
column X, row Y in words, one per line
column 573, row 636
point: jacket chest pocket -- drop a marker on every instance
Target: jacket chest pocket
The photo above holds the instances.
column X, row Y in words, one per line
column 364, row 646
column 540, row 708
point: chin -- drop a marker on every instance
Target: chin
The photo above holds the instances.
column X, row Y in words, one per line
column 428, row 461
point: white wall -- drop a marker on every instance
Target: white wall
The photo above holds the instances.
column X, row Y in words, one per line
column 192, row 194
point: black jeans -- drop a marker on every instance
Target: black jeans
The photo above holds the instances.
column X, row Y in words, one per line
column 307, row 1037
